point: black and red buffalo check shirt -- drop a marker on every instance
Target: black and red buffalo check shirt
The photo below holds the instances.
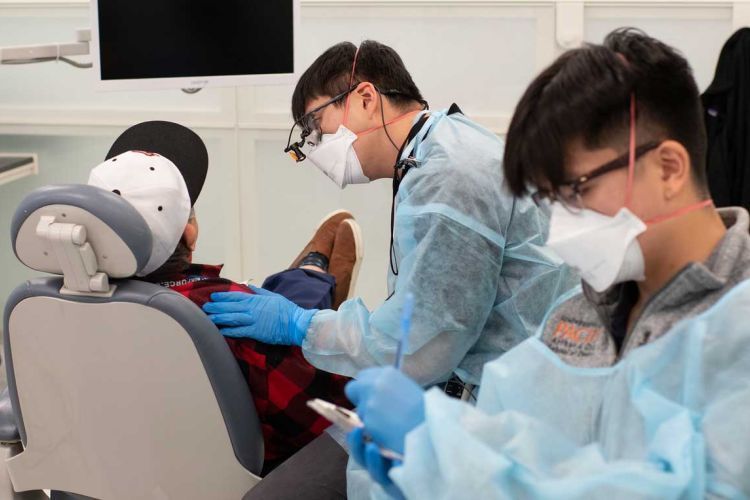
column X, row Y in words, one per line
column 280, row 379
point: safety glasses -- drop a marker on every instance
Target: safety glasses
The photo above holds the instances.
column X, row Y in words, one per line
column 569, row 193
column 309, row 128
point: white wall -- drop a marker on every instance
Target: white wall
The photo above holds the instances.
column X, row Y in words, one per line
column 258, row 208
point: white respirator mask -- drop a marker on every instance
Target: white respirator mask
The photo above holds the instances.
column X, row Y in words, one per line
column 334, row 155
column 604, row 249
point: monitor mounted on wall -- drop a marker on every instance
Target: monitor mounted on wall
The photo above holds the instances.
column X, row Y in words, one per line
column 152, row 44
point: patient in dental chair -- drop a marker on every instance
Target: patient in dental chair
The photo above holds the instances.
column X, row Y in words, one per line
column 281, row 381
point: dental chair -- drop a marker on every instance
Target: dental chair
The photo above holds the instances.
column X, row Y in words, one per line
column 120, row 389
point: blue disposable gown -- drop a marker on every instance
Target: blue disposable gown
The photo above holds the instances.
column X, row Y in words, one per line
column 470, row 253
column 671, row 420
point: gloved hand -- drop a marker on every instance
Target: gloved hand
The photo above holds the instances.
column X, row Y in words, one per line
column 389, row 403
column 368, row 455
column 266, row 316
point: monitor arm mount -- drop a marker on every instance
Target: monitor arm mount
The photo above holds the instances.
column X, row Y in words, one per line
column 27, row 54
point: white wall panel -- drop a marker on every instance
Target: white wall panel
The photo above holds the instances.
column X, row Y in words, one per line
column 509, row 43
column 218, row 206
column 699, row 32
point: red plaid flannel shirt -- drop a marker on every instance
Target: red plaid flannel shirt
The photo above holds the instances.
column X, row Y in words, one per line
column 280, row 379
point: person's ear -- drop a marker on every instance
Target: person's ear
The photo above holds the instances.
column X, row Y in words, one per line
column 190, row 236
column 191, row 244
column 673, row 162
column 368, row 99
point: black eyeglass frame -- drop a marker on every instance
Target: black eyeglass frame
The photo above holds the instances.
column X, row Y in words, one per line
column 575, row 185
column 307, row 121
column 304, row 122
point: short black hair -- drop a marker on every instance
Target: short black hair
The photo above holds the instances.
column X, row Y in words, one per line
column 585, row 95
column 378, row 64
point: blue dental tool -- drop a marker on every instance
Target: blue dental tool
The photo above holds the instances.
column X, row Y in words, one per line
column 406, row 314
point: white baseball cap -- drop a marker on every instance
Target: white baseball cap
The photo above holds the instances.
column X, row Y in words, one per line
column 156, row 188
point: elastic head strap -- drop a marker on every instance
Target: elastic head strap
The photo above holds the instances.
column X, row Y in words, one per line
column 631, row 162
column 351, row 81
column 631, row 172
column 389, row 122
column 346, row 109
column 679, row 213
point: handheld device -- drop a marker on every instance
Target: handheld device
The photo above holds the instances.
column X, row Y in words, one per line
column 346, row 420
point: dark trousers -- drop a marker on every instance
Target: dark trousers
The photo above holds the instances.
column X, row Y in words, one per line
column 308, row 289
column 316, row 472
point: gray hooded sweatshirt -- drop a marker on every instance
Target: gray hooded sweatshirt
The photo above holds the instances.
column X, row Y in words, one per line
column 589, row 329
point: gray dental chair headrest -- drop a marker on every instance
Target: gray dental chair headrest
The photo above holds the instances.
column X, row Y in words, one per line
column 117, row 233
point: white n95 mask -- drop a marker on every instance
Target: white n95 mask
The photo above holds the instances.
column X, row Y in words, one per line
column 334, row 155
column 604, row 250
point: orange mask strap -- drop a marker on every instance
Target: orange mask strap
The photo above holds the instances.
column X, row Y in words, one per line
column 346, row 109
column 631, row 162
column 351, row 81
column 377, row 127
column 679, row 213
column 631, row 172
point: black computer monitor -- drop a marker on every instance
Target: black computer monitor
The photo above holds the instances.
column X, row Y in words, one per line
column 193, row 43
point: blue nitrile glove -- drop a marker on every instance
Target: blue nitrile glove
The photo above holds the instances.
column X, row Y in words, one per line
column 368, row 455
column 267, row 316
column 389, row 403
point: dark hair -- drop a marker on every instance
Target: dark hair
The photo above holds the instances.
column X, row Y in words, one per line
column 378, row 64
column 585, row 94
column 177, row 262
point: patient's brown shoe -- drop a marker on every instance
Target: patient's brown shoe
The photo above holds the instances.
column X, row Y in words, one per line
column 322, row 240
column 347, row 255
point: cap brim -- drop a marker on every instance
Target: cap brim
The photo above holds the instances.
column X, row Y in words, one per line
column 179, row 144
